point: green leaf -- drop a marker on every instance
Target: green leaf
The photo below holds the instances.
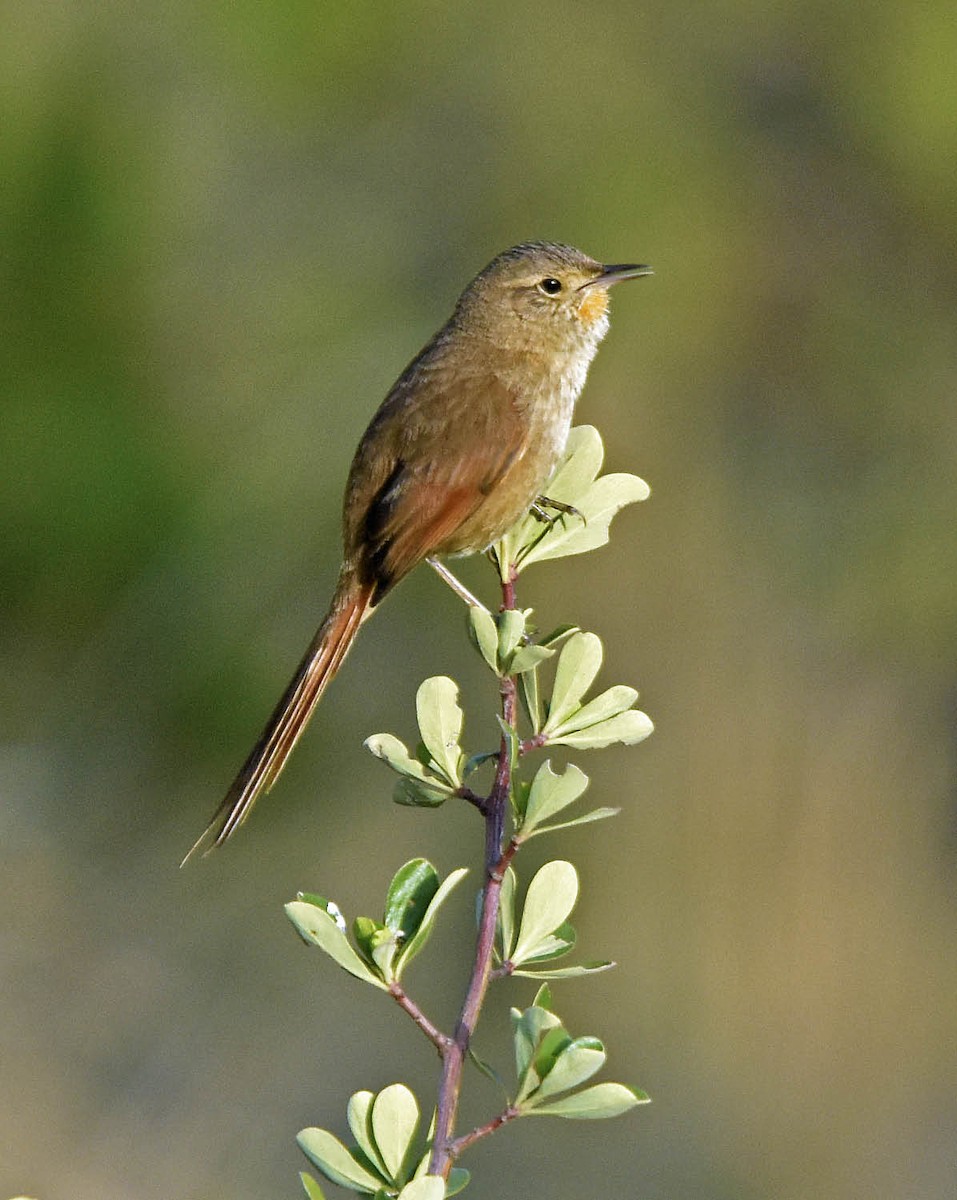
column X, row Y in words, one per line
column 458, row 1179
column 559, row 634
column 385, row 943
column 511, row 630
column 440, row 723
column 577, row 1062
column 581, row 462
column 434, row 790
column 364, row 930
column 566, row 972
column 603, row 500
column 426, row 1187
column 393, row 750
column 412, row 794
column 506, row 914
column 550, row 793
column 511, row 738
column 609, row 704
column 518, row 799
column 359, row 1116
column 575, row 471
column 477, row 760
column 578, row 664
column 530, row 695
column 528, row 1028
column 316, row 926
column 574, row 483
column 550, row 1047
column 628, row 728
column 312, row 1189
column 543, row 997
column 376, row 943
column 528, row 658
column 418, row 940
column 328, row 906
column 594, row 1103
column 395, row 1122
column 550, row 899
column 335, row 1162
column 596, row 814
column 410, row 893
column 483, row 634
column 552, row 945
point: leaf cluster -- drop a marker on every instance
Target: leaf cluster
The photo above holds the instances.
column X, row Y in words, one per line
column 381, row 950
column 549, row 1062
column 387, row 1159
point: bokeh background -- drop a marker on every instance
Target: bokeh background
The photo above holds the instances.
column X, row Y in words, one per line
column 223, row 231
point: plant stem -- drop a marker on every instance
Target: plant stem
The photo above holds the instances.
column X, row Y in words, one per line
column 435, row 1035
column 481, row 1131
column 496, row 861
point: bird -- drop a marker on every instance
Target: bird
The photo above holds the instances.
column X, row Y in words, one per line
column 458, row 451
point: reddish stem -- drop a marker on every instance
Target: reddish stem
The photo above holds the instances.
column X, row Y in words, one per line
column 435, row 1035
column 481, row 1131
column 444, row 1148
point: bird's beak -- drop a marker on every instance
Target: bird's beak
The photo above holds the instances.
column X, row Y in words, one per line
column 615, row 273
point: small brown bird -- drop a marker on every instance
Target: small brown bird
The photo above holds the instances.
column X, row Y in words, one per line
column 460, row 448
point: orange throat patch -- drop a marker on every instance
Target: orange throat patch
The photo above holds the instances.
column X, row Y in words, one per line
column 594, row 306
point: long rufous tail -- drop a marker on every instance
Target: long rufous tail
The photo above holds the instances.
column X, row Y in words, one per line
column 351, row 605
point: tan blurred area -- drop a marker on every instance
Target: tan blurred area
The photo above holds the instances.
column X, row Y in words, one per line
column 223, row 232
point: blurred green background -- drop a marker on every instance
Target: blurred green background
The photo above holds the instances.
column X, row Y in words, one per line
column 224, row 229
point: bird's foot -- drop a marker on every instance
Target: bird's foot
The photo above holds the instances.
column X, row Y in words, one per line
column 559, row 510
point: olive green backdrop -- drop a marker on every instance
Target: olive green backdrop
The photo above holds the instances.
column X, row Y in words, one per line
column 224, row 229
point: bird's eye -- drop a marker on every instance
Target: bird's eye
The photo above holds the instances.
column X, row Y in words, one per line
column 550, row 286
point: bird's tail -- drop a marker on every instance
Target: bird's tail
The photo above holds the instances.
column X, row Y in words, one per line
column 351, row 605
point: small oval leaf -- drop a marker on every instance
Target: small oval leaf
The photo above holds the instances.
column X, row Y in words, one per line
column 410, row 793
column 506, row 914
column 410, row 892
column 578, row 664
column 550, row 899
column 394, row 1121
column 527, row 658
column 566, row 972
column 358, row 1114
column 311, row 1187
column 426, row 1187
column 458, row 1179
column 395, row 753
column 530, row 694
column 551, row 793
column 552, row 945
column 440, row 723
column 326, row 1152
column 528, row 1029
column 422, row 934
column 628, row 728
column 596, row 814
column 610, row 703
column 598, row 507
column 574, row 482
column 511, row 629
column 594, row 1103
column 315, row 925
column 578, row 1062
column 484, row 635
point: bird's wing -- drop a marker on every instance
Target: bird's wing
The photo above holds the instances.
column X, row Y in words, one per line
column 450, row 457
